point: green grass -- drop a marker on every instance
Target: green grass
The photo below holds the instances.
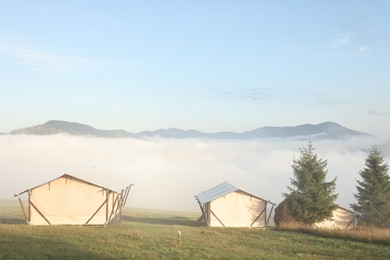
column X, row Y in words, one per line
column 147, row 234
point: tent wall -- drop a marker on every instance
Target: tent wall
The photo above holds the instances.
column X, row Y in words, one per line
column 341, row 219
column 236, row 209
column 70, row 201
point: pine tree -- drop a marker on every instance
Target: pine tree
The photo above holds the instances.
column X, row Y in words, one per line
column 373, row 191
column 311, row 198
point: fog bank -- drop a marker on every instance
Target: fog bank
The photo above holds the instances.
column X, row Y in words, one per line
column 168, row 173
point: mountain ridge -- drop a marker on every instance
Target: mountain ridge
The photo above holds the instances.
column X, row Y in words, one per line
column 325, row 130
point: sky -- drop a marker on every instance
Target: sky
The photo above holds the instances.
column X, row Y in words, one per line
column 206, row 65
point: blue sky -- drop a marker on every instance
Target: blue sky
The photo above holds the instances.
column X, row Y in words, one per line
column 206, row 65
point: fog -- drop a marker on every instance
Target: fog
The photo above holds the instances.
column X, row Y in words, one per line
column 167, row 173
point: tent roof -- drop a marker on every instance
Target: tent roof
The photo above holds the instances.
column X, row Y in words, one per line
column 69, row 177
column 105, row 179
column 219, row 191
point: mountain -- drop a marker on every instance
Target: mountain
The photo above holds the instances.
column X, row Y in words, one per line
column 171, row 133
column 327, row 130
column 57, row 127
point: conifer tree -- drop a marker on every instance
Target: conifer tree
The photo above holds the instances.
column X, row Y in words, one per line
column 311, row 198
column 373, row 191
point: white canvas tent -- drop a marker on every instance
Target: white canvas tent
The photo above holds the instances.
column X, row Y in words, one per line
column 68, row 200
column 228, row 206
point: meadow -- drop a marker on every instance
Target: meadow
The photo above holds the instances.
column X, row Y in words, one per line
column 149, row 234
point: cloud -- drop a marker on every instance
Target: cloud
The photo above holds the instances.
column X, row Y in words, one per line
column 252, row 94
column 325, row 99
column 378, row 112
column 264, row 94
column 346, row 38
column 346, row 46
column 343, row 40
column 362, row 49
column 87, row 98
column 42, row 61
column 168, row 173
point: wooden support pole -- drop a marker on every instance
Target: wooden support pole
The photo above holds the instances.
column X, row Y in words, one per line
column 217, row 218
column 29, row 206
column 122, row 199
column 203, row 212
column 352, row 222
column 40, row 213
column 204, row 215
column 107, row 206
column 259, row 216
column 21, row 205
column 270, row 213
column 86, row 223
column 113, row 206
column 127, row 194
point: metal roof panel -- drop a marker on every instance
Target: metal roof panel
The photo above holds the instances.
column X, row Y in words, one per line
column 216, row 192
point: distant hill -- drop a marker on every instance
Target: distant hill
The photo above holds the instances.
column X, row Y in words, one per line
column 57, row 127
column 327, row 130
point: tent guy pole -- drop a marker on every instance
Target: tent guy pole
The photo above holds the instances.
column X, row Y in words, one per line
column 203, row 213
column 270, row 213
column 21, row 205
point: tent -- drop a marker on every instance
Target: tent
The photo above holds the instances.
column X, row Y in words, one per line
column 228, row 206
column 68, row 200
column 341, row 218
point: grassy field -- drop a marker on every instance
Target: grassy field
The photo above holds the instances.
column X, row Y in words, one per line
column 147, row 234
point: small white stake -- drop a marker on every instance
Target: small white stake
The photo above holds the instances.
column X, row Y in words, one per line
column 179, row 236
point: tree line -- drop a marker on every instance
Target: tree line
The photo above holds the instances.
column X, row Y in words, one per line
column 311, row 198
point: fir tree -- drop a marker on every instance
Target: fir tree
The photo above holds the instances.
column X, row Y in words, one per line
column 311, row 198
column 373, row 191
